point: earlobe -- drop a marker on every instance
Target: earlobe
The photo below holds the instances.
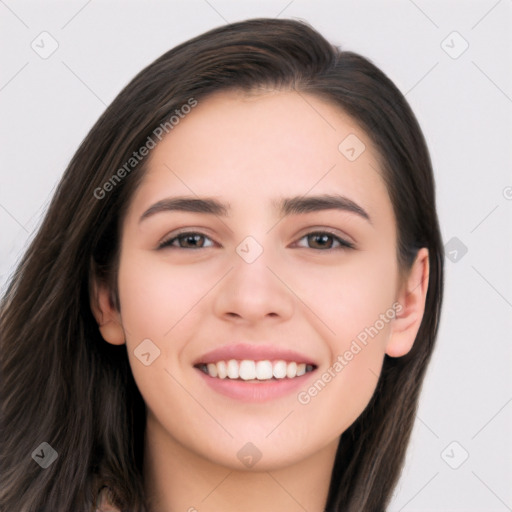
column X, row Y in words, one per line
column 106, row 315
column 409, row 314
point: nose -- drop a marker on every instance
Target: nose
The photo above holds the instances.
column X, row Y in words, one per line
column 254, row 291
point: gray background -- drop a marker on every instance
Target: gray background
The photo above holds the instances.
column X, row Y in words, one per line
column 463, row 100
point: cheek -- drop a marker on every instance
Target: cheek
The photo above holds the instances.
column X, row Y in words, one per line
column 160, row 303
column 354, row 302
column 154, row 296
column 351, row 297
column 164, row 304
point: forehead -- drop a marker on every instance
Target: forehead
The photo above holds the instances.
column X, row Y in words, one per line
column 254, row 148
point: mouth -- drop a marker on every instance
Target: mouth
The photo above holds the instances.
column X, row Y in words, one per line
column 253, row 371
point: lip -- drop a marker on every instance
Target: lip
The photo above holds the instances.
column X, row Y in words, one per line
column 263, row 391
column 242, row 351
column 247, row 391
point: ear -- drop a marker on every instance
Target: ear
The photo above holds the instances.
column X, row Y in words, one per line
column 106, row 315
column 411, row 307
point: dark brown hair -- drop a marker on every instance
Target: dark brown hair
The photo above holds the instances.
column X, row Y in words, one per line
column 63, row 384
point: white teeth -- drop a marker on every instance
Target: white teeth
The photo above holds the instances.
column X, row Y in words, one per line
column 264, row 370
column 279, row 369
column 247, row 370
column 212, row 369
column 291, row 370
column 232, row 369
column 260, row 370
column 222, row 371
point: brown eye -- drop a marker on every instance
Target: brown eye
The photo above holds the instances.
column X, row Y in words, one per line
column 186, row 241
column 321, row 240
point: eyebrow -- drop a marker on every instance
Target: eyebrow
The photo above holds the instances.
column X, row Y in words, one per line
column 285, row 207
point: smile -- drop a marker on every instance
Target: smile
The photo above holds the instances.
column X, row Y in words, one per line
column 251, row 372
column 254, row 371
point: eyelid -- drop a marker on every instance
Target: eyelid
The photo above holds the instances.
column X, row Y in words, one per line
column 341, row 239
column 344, row 243
column 332, row 231
column 162, row 244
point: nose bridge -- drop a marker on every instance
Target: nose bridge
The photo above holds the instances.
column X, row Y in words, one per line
column 251, row 290
column 251, row 250
column 254, row 257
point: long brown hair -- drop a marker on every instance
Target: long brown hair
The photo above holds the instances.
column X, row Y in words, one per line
column 64, row 385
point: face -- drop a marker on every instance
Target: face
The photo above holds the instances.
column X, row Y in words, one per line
column 266, row 275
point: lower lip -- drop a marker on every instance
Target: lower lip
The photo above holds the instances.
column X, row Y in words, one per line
column 255, row 391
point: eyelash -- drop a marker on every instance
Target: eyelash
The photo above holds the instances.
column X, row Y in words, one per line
column 343, row 244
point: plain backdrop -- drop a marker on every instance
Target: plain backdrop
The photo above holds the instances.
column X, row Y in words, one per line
column 452, row 60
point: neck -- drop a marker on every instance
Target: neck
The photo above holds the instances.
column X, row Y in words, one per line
column 179, row 480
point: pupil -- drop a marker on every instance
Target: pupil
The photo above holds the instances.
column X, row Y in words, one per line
column 324, row 239
column 192, row 239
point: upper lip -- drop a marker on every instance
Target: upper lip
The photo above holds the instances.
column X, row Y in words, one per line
column 241, row 351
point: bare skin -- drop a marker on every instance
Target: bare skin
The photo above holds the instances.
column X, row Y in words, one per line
column 311, row 294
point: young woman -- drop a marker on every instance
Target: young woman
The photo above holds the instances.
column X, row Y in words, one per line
column 234, row 295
